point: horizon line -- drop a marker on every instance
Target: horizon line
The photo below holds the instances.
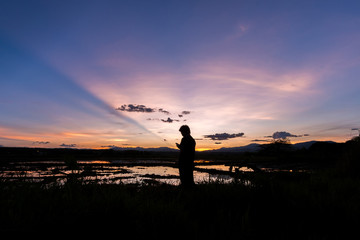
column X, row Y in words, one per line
column 174, row 148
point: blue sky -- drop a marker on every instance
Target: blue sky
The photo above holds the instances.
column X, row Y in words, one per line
column 251, row 67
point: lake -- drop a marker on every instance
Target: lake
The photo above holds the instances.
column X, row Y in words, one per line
column 126, row 171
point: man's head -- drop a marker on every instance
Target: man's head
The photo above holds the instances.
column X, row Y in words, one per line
column 185, row 130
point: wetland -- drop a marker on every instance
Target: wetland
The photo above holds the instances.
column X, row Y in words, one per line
column 307, row 194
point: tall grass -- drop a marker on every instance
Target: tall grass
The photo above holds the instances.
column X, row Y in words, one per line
column 322, row 205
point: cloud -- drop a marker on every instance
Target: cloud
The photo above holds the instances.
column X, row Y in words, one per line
column 217, row 142
column 68, row 145
column 277, row 135
column 223, row 136
column 164, row 111
column 135, row 108
column 141, row 108
column 183, row 113
column 238, row 32
column 260, row 140
column 169, row 120
column 283, row 134
column 144, row 109
column 108, row 146
column 40, row 142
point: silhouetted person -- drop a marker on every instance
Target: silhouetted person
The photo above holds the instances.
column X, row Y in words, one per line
column 186, row 158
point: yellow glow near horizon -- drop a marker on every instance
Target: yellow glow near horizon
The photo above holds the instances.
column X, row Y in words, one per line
column 118, row 140
column 72, row 134
column 203, row 149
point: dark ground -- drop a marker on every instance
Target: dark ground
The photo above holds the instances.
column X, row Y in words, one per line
column 323, row 203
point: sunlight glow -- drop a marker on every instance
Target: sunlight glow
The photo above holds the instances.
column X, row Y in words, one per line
column 256, row 70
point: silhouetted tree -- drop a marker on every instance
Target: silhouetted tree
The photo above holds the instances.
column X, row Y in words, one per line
column 351, row 156
column 277, row 146
column 355, row 139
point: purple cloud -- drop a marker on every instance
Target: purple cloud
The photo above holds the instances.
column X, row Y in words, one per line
column 223, row 136
column 169, row 120
column 68, row 145
column 283, row 135
column 135, row 108
column 40, row 142
column 164, row 111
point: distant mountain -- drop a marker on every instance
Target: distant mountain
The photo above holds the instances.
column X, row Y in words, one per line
column 307, row 145
column 254, row 147
column 160, row 149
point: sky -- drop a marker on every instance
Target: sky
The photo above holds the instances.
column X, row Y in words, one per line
column 98, row 74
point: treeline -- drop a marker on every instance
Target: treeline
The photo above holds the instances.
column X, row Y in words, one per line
column 346, row 153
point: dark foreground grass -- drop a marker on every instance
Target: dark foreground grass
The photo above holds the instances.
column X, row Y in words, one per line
column 275, row 206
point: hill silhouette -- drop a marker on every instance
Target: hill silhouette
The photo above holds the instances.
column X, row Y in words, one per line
column 26, row 154
column 255, row 147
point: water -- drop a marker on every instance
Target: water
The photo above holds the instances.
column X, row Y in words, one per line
column 224, row 167
column 118, row 172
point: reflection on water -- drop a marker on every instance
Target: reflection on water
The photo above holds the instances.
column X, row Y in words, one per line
column 118, row 172
column 93, row 162
column 225, row 168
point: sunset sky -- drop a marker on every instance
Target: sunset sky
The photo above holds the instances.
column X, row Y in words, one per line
column 96, row 74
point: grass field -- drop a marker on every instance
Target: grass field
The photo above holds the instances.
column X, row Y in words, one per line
column 323, row 205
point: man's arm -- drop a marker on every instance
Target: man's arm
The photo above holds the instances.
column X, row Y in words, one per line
column 181, row 145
